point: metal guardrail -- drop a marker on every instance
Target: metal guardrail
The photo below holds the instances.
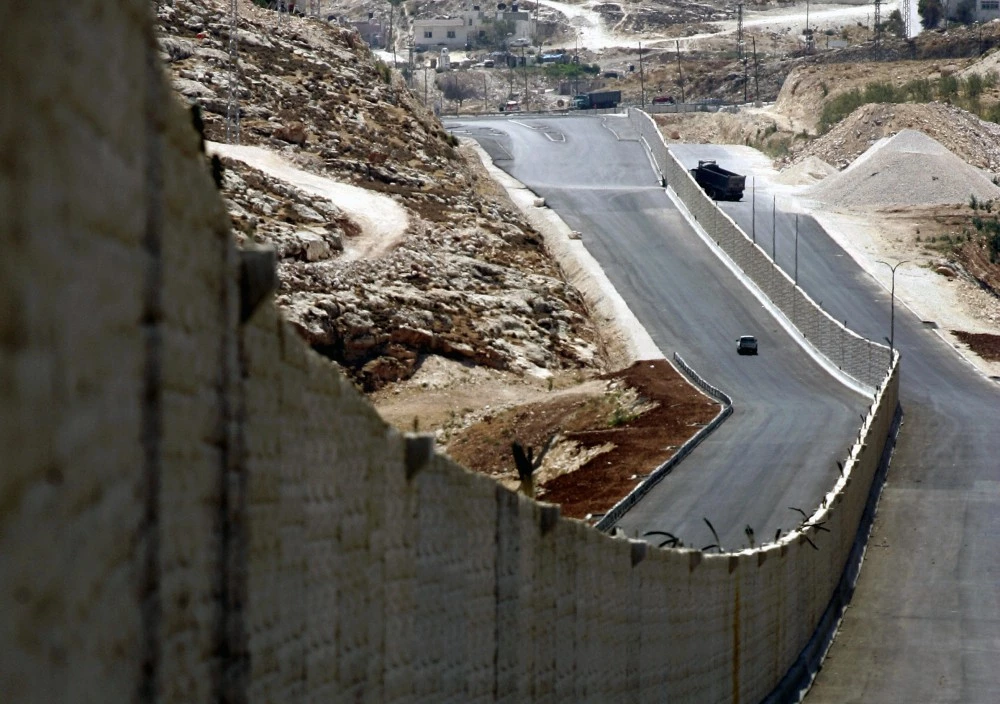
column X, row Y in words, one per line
column 622, row 507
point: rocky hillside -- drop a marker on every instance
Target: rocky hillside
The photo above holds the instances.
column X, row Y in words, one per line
column 467, row 278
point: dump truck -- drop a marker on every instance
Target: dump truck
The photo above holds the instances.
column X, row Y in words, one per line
column 597, row 99
column 717, row 182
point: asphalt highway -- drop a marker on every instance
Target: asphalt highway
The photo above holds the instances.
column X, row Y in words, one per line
column 924, row 623
column 791, row 420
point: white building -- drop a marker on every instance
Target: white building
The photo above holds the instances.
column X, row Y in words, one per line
column 471, row 28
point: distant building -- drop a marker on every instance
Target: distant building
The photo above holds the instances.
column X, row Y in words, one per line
column 987, row 10
column 371, row 32
column 472, row 28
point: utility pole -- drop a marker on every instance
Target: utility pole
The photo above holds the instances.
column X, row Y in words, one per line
column 739, row 32
column 756, row 72
column 524, row 70
column 878, row 28
column 680, row 74
column 642, row 81
column 809, row 34
column 233, row 105
column 486, row 95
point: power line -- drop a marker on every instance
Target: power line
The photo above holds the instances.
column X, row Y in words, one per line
column 233, row 106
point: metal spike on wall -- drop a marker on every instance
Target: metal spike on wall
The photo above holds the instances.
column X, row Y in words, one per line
column 233, row 107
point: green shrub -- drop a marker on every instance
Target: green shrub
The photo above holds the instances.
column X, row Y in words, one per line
column 919, row 90
column 947, row 87
column 880, row 92
column 973, row 86
column 839, row 107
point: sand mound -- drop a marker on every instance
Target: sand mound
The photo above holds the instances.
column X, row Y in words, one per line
column 909, row 168
column 806, row 172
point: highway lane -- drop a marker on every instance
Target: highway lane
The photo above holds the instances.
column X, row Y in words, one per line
column 924, row 623
column 770, row 455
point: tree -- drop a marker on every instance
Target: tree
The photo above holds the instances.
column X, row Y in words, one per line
column 965, row 12
column 931, row 13
column 457, row 88
column 895, row 24
column 498, row 32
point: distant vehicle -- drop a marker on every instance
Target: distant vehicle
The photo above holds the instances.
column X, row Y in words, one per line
column 747, row 344
column 510, row 106
column 488, row 63
column 717, row 182
column 610, row 74
column 663, row 100
column 597, row 99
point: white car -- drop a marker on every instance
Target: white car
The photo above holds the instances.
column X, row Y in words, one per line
column 747, row 344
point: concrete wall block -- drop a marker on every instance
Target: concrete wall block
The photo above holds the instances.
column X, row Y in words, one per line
column 544, row 613
column 566, row 534
column 477, row 569
column 656, row 661
column 509, row 682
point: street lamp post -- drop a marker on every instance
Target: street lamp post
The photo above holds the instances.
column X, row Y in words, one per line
column 892, row 302
column 774, row 229
column 796, row 249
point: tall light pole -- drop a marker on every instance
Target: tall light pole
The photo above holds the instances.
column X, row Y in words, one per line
column 796, row 249
column 892, row 302
column 680, row 74
column 774, row 229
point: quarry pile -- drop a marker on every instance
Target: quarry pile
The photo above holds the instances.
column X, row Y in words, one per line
column 975, row 141
column 806, row 172
column 909, row 168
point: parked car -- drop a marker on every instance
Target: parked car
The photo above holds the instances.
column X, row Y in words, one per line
column 747, row 344
column 663, row 100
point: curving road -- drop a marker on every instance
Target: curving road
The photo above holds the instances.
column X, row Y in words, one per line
column 924, row 623
column 768, row 456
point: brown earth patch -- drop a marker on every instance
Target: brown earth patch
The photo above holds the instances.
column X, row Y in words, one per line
column 607, row 441
column 985, row 345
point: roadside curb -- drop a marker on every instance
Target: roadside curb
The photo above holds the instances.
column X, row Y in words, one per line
column 622, row 507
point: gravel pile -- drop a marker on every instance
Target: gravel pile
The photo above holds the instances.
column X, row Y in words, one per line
column 909, row 168
column 806, row 172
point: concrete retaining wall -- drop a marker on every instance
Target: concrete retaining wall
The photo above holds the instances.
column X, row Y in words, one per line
column 860, row 358
column 197, row 508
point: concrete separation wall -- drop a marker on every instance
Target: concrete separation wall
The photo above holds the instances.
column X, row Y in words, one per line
column 860, row 358
column 197, row 508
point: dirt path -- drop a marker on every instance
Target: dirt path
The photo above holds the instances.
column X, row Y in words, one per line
column 382, row 220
